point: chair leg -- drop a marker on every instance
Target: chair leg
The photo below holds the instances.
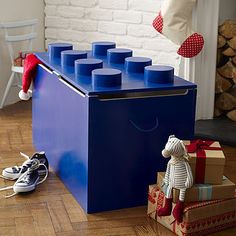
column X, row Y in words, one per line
column 19, row 80
column 9, row 84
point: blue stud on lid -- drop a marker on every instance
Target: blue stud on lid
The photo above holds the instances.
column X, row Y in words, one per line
column 159, row 74
column 85, row 66
column 106, row 78
column 118, row 55
column 136, row 64
column 68, row 57
column 100, row 48
column 55, row 49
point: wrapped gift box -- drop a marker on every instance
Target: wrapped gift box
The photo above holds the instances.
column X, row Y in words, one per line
column 207, row 161
column 19, row 61
column 202, row 192
column 200, row 218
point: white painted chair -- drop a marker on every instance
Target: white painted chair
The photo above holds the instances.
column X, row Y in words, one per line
column 11, row 41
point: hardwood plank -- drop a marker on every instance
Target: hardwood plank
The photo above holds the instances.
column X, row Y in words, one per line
column 25, row 226
column 6, row 222
column 59, row 216
column 48, row 188
column 31, row 198
column 10, row 161
column 24, row 131
column 68, row 233
column 42, row 220
column 143, row 230
column 159, row 229
column 152, row 228
column 15, row 137
column 19, row 147
column 2, row 183
column 14, row 211
column 15, row 154
column 8, row 231
column 74, row 210
column 109, row 224
column 4, row 141
column 118, row 214
column 127, row 231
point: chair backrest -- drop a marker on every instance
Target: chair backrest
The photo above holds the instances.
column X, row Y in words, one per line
column 11, row 39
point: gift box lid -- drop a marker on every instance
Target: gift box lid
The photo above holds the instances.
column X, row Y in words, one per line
column 211, row 150
column 225, row 182
column 203, row 192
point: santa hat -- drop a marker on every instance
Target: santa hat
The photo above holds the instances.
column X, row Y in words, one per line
column 30, row 65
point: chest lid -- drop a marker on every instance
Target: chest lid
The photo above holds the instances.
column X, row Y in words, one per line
column 133, row 74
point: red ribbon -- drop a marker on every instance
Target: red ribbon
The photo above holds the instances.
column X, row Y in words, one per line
column 199, row 146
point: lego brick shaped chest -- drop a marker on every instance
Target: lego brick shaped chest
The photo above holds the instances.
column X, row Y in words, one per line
column 103, row 117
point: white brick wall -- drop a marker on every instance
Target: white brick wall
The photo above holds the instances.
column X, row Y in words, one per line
column 127, row 22
column 113, row 4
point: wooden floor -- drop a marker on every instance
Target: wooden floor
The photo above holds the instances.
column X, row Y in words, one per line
column 51, row 209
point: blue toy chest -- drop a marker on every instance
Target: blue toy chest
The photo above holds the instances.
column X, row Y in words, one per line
column 103, row 137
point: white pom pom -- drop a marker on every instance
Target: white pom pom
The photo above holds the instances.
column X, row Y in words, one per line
column 24, row 96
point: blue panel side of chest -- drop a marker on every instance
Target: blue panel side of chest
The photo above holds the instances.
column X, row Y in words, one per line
column 127, row 137
column 60, row 127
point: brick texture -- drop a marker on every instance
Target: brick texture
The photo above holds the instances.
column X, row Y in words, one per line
column 127, row 22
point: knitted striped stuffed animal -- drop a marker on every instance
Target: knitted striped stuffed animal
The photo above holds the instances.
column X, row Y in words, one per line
column 178, row 175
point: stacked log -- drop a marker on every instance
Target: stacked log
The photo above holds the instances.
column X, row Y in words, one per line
column 225, row 85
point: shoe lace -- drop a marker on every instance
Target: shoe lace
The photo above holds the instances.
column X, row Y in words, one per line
column 32, row 165
column 25, row 177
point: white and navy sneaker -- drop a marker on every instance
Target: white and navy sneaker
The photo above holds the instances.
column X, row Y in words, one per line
column 13, row 173
column 28, row 180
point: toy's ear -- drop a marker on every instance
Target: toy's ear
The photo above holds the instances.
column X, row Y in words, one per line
column 182, row 143
column 171, row 136
column 186, row 153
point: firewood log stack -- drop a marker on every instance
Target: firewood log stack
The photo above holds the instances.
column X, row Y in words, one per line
column 225, row 86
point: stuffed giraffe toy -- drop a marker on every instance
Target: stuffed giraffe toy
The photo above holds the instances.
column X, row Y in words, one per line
column 178, row 175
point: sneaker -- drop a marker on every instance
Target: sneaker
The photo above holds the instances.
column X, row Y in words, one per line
column 42, row 160
column 13, row 173
column 28, row 181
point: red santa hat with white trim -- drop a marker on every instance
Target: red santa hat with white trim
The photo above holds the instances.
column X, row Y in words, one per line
column 30, row 66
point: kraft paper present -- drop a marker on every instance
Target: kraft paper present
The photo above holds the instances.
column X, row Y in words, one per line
column 207, row 162
column 201, row 218
column 202, row 192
